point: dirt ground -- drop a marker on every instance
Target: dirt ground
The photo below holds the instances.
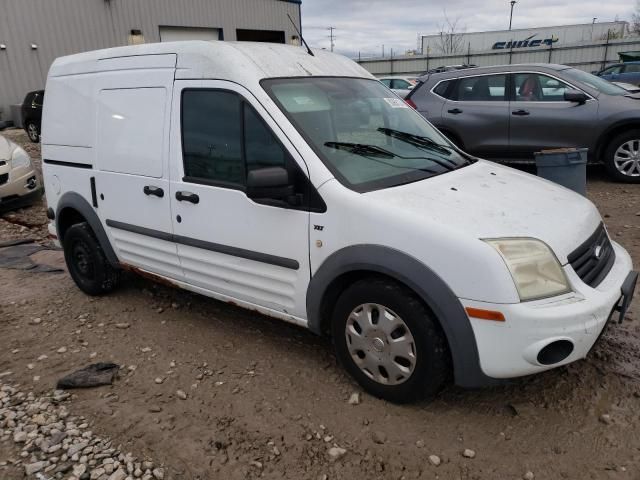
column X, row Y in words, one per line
column 267, row 399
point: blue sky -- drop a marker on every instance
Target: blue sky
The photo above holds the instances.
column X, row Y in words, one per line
column 365, row 25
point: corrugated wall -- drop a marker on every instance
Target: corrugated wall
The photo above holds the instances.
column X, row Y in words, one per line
column 63, row 27
column 588, row 57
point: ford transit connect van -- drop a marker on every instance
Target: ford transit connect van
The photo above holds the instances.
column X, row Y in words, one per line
column 299, row 186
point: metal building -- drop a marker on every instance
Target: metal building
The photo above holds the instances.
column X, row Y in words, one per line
column 522, row 39
column 34, row 32
column 589, row 47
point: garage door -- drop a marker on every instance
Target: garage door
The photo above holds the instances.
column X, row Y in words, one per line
column 176, row 34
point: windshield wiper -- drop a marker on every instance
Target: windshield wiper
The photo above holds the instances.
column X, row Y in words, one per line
column 373, row 151
column 417, row 140
column 361, row 149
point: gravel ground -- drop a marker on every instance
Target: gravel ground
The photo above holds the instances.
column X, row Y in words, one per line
column 207, row 390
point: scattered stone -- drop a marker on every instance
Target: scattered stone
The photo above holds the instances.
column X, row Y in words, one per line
column 354, row 399
column 378, row 437
column 123, row 325
column 336, row 453
column 33, row 468
column 159, row 380
column 468, row 453
column 119, row 474
column 181, row 394
column 36, row 321
column 606, row 419
column 528, row 476
column 434, row 460
column 62, row 350
column 420, row 444
column 158, row 473
column 155, row 408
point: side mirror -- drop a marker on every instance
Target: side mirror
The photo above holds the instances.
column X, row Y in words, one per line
column 269, row 184
column 575, row 96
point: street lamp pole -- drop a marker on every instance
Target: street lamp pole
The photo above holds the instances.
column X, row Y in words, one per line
column 513, row 2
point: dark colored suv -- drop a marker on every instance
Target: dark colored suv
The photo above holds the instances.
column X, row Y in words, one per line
column 509, row 112
column 32, row 114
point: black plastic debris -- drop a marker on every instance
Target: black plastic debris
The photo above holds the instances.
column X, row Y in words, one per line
column 15, row 254
column 94, row 375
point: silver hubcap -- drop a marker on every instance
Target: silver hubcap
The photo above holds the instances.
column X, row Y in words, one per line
column 33, row 131
column 380, row 344
column 627, row 158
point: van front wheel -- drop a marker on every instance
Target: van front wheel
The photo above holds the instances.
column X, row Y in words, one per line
column 389, row 341
column 87, row 263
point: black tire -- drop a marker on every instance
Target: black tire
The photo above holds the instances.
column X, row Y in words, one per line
column 432, row 359
column 87, row 263
column 33, row 131
column 610, row 152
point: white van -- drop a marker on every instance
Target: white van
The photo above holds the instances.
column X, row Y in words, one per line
column 299, row 186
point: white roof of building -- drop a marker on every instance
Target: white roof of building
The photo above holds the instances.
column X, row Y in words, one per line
column 234, row 61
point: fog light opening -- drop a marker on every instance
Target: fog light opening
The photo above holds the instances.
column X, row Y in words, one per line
column 555, row 352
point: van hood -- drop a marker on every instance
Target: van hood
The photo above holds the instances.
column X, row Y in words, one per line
column 487, row 200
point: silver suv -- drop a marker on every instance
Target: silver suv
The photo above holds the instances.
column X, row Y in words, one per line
column 509, row 112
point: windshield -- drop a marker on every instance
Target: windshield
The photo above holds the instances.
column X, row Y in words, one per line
column 366, row 136
column 597, row 83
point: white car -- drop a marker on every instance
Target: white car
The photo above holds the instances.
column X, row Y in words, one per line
column 400, row 85
column 296, row 185
column 19, row 183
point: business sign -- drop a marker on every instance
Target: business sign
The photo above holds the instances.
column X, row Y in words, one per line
column 526, row 43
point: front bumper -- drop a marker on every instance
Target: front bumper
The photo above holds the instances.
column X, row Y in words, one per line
column 23, row 188
column 513, row 348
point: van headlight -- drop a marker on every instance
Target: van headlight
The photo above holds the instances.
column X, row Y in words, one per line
column 20, row 158
column 534, row 267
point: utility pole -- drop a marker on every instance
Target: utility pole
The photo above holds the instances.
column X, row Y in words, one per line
column 383, row 50
column 513, row 2
column 593, row 24
column 331, row 36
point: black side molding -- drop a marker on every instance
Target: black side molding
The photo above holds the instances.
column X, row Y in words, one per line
column 213, row 247
column 60, row 163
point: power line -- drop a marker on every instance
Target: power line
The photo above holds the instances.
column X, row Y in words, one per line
column 332, row 37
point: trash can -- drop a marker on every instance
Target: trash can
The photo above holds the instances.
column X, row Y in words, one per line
column 564, row 166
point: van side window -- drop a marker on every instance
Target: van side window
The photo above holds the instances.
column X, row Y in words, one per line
column 261, row 148
column 223, row 138
column 212, row 136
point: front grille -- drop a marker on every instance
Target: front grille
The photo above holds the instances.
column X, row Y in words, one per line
column 593, row 260
column 4, row 178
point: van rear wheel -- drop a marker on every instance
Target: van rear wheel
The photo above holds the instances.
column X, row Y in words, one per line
column 87, row 263
column 389, row 341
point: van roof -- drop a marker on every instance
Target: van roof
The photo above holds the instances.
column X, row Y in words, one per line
column 234, row 61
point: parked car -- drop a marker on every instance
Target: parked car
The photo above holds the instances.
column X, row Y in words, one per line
column 19, row 185
column 32, row 114
column 628, row 87
column 509, row 112
column 628, row 72
column 295, row 186
column 400, row 85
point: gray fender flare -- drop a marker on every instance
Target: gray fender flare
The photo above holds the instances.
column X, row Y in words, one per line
column 424, row 282
column 77, row 202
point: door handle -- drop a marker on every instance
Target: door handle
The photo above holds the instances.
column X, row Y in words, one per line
column 187, row 197
column 455, row 111
column 151, row 190
column 520, row 113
